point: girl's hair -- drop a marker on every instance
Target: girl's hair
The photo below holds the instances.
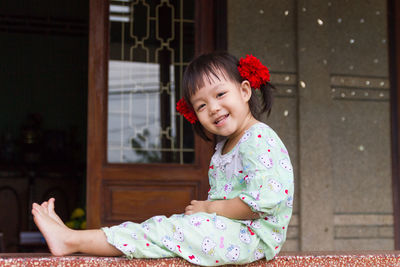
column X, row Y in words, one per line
column 212, row 65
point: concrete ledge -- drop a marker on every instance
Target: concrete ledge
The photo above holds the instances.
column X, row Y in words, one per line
column 356, row 258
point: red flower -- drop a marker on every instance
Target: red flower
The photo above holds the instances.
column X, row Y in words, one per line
column 184, row 109
column 251, row 69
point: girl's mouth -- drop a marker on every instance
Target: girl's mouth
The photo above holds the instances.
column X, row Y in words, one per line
column 221, row 119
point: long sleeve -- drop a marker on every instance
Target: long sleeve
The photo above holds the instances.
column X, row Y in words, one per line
column 267, row 172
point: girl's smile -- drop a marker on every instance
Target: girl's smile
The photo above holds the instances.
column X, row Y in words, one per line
column 221, row 120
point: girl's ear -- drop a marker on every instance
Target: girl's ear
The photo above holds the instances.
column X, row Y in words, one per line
column 245, row 90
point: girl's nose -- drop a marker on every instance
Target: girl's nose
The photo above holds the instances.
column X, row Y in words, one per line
column 214, row 107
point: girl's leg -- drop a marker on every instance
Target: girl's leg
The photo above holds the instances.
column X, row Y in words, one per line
column 63, row 240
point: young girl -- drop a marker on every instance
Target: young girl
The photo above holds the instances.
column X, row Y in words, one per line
column 250, row 200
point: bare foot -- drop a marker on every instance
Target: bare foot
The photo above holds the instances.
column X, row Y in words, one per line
column 56, row 235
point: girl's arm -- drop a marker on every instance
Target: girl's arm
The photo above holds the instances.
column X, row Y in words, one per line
column 230, row 208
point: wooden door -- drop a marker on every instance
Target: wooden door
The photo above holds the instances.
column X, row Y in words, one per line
column 134, row 84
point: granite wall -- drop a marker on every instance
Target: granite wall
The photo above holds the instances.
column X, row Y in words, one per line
column 329, row 60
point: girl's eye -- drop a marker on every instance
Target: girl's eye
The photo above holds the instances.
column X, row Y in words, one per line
column 200, row 107
column 220, row 94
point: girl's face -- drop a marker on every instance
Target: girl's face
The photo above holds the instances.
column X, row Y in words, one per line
column 222, row 106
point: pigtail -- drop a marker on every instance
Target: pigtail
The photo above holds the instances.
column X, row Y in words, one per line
column 267, row 98
column 261, row 100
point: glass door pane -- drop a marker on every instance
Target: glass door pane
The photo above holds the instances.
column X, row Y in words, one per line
column 151, row 43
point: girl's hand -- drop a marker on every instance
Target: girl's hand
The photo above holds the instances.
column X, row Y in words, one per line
column 197, row 206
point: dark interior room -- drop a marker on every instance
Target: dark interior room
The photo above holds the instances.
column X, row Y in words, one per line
column 43, row 118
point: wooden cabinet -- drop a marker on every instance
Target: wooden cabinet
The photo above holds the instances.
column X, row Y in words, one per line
column 14, row 195
column 17, row 195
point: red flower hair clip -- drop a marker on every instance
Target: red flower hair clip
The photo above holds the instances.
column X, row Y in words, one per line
column 251, row 69
column 184, row 109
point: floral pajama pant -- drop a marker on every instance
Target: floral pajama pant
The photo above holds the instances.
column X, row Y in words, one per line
column 202, row 238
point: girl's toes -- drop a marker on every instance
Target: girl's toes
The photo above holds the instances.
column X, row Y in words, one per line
column 34, row 212
column 50, row 206
column 45, row 205
column 38, row 207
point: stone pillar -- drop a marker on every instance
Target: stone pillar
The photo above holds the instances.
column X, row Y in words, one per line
column 314, row 103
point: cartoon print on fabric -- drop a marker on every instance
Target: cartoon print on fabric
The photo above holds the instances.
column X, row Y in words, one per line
column 158, row 219
column 125, row 224
column 289, row 202
column 207, row 246
column 228, row 188
column 126, row 248
column 178, row 233
column 219, row 224
column 196, row 221
column 272, row 219
column 233, row 253
column 253, row 223
column 274, row 185
column 194, row 259
column 247, row 222
column 146, row 227
column 134, row 236
column 285, row 163
column 272, row 142
column 256, row 224
column 258, row 254
column 250, row 176
column 246, row 136
column 168, row 243
column 221, row 242
column 277, row 236
column 244, row 236
column 266, row 161
column 255, row 194
column 254, row 205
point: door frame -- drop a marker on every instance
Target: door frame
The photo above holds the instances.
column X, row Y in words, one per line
column 97, row 82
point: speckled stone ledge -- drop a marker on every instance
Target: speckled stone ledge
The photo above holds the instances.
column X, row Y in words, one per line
column 359, row 258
